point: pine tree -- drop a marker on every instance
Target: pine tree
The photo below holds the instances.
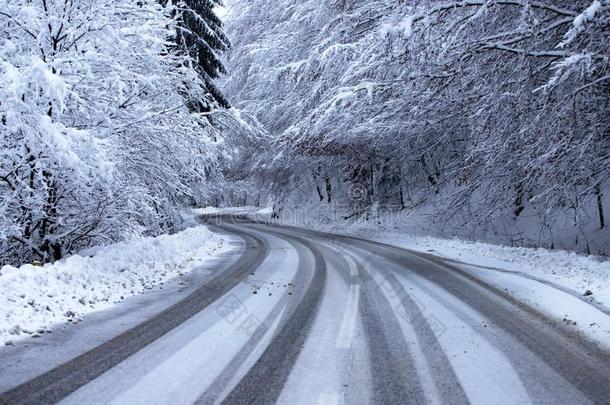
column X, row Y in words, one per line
column 201, row 34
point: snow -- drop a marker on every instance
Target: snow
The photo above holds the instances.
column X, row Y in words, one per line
column 477, row 363
column 587, row 15
column 404, row 27
column 248, row 212
column 572, row 271
column 570, row 63
column 97, row 139
column 345, row 94
column 336, row 49
column 572, row 311
column 222, row 11
column 335, row 347
column 50, row 83
column 437, row 138
column 33, row 299
column 195, row 353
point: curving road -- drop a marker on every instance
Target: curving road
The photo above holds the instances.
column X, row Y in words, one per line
column 303, row 317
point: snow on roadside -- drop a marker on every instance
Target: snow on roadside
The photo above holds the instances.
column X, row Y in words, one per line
column 250, row 212
column 32, row 299
column 572, row 271
column 571, row 288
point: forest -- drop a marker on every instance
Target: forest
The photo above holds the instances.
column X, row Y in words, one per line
column 485, row 120
column 104, row 127
column 482, row 119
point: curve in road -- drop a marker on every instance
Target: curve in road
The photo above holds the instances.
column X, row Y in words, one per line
column 370, row 323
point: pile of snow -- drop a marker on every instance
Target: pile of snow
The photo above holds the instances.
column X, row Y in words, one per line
column 32, row 299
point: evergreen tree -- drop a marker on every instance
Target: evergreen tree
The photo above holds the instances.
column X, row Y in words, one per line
column 201, row 34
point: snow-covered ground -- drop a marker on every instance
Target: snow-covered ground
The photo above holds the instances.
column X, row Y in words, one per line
column 569, row 287
column 250, row 212
column 33, row 299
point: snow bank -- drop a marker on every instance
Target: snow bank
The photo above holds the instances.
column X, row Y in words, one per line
column 34, row 298
column 572, row 271
column 573, row 289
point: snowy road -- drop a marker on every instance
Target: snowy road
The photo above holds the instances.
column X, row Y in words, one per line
column 300, row 317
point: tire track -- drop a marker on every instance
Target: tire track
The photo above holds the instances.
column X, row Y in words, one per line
column 264, row 382
column 580, row 362
column 392, row 368
column 215, row 390
column 583, row 365
column 444, row 378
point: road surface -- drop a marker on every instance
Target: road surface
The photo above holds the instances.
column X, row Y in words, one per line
column 302, row 317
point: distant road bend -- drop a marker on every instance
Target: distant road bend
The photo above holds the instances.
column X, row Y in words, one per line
column 303, row 317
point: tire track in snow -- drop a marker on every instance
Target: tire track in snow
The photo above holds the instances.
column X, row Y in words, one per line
column 439, row 380
column 284, row 307
column 264, row 382
column 584, row 366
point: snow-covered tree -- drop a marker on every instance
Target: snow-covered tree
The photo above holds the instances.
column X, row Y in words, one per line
column 201, row 35
column 96, row 140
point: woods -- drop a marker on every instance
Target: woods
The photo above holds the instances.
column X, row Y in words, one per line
column 491, row 118
column 96, row 138
column 479, row 119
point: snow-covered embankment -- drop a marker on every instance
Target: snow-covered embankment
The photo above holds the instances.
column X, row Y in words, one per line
column 32, row 299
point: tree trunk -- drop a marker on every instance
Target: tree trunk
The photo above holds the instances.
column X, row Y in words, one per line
column 372, row 182
column 319, row 190
column 518, row 204
column 600, row 206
